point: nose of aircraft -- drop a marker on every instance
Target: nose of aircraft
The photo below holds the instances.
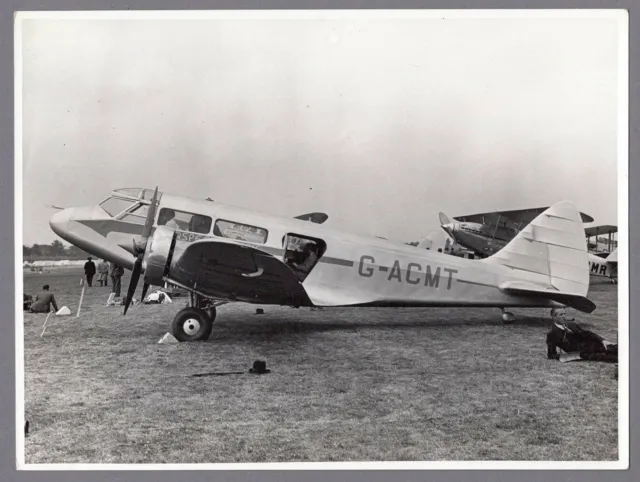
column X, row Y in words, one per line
column 62, row 222
column 449, row 228
column 59, row 222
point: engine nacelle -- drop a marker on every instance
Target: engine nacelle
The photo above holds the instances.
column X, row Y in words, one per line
column 158, row 254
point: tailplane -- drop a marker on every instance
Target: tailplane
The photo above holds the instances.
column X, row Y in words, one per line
column 549, row 259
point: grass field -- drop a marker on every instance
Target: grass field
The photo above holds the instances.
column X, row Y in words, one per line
column 346, row 385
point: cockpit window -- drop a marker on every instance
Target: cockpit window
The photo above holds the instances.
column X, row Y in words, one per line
column 147, row 194
column 182, row 221
column 137, row 215
column 137, row 192
column 114, row 206
column 130, row 191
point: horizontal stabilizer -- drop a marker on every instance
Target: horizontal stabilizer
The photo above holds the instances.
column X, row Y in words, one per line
column 524, row 288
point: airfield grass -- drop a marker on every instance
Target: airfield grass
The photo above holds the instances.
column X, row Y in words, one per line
column 345, row 385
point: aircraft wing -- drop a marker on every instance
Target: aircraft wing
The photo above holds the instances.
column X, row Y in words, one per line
column 598, row 230
column 317, row 218
column 518, row 216
column 236, row 272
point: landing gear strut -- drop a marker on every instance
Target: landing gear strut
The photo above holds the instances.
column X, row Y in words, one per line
column 194, row 323
column 507, row 317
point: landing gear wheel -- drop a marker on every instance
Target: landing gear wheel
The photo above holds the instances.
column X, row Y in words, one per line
column 507, row 317
column 191, row 324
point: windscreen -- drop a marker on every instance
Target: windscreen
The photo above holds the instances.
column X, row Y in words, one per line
column 114, row 206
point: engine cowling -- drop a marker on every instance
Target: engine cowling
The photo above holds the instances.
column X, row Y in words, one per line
column 158, row 254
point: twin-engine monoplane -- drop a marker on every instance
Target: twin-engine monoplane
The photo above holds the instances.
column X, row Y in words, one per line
column 222, row 254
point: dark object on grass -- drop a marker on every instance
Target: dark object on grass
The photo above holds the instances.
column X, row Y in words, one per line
column 216, row 374
column 259, row 311
column 259, row 367
column 571, row 338
column 26, row 428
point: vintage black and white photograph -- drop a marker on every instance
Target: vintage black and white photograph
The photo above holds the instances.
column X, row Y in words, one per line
column 313, row 238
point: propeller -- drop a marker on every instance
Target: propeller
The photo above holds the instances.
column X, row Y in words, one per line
column 138, row 251
column 445, row 223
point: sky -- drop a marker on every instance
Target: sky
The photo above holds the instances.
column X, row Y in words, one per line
column 380, row 123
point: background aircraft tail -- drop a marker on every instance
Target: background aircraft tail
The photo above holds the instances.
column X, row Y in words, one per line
column 434, row 241
column 549, row 256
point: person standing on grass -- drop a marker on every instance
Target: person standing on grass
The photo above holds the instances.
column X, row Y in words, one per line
column 103, row 270
column 116, row 276
column 89, row 270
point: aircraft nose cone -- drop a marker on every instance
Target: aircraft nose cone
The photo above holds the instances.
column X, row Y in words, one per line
column 59, row 222
column 449, row 228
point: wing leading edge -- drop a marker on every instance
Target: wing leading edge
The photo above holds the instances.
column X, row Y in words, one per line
column 516, row 216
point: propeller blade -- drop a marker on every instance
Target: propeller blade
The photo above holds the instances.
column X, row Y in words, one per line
column 151, row 213
column 444, row 219
column 139, row 250
column 145, row 288
column 133, row 283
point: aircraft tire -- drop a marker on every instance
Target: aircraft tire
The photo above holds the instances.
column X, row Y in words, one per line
column 507, row 318
column 192, row 324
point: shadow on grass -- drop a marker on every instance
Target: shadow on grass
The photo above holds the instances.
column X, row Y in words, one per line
column 270, row 327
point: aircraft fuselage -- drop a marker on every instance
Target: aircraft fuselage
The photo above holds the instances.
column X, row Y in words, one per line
column 352, row 270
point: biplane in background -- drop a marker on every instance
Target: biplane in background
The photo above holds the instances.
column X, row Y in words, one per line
column 485, row 234
column 222, row 254
column 597, row 243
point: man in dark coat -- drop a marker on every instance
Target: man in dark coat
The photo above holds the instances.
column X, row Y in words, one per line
column 43, row 300
column 89, row 270
column 571, row 338
column 116, row 276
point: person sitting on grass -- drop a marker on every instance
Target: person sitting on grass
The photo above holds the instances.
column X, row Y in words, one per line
column 572, row 338
column 43, row 301
column 26, row 302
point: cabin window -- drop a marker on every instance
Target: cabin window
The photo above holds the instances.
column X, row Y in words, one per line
column 301, row 253
column 242, row 232
column 184, row 221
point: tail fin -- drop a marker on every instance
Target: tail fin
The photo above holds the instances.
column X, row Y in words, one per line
column 550, row 258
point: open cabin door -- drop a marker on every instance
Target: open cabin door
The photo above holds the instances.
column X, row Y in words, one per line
column 302, row 253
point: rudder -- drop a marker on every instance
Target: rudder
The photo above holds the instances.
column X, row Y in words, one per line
column 551, row 251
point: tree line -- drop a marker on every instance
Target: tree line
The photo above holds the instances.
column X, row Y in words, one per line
column 55, row 250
